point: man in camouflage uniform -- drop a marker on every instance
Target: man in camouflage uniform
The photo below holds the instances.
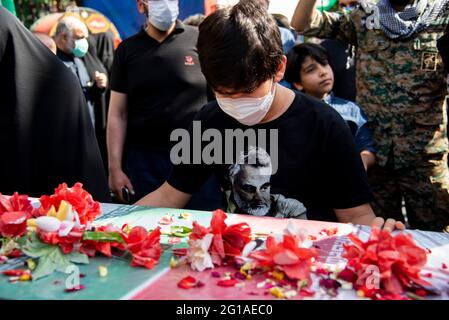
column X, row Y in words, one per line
column 401, row 85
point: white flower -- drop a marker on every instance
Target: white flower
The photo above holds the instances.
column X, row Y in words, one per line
column 61, row 221
column 65, row 228
column 198, row 253
column 249, row 247
column 48, row 224
column 298, row 233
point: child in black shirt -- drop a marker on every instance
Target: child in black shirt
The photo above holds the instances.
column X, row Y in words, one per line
column 309, row 160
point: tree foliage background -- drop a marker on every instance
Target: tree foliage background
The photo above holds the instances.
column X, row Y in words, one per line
column 28, row 11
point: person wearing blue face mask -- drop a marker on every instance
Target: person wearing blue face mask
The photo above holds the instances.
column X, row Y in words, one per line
column 156, row 87
column 72, row 48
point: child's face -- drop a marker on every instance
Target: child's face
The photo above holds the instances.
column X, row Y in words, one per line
column 316, row 80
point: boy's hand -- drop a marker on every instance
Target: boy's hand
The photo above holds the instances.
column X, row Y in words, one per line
column 389, row 225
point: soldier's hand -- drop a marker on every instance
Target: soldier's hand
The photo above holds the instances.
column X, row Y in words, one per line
column 389, row 225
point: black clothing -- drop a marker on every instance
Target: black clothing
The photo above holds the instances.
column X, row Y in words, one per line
column 164, row 84
column 46, row 136
column 317, row 162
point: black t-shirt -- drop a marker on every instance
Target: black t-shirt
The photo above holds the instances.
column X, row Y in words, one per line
column 317, row 164
column 163, row 82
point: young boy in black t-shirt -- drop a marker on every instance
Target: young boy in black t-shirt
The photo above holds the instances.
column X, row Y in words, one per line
column 309, row 160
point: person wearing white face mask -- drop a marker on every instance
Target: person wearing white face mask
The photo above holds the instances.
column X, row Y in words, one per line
column 248, row 111
column 157, row 86
column 317, row 163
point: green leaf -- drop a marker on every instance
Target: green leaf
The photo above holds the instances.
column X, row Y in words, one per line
column 78, row 257
column 44, row 268
column 51, row 258
column 22, row 240
column 180, row 231
column 103, row 236
column 35, row 248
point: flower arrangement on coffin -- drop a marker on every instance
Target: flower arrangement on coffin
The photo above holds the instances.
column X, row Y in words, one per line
column 218, row 244
column 60, row 232
column 282, row 269
column 387, row 266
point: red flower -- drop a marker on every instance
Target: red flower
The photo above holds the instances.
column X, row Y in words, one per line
column 13, row 224
column 228, row 241
column 198, row 231
column 14, row 212
column 288, row 256
column 90, row 247
column 398, row 259
column 66, row 243
column 145, row 247
column 15, row 203
column 81, row 201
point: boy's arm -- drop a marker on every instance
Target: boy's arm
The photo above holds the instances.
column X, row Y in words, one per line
column 368, row 159
column 365, row 144
column 364, row 215
column 165, row 197
column 309, row 21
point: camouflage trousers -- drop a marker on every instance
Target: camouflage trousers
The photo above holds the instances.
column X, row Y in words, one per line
column 424, row 188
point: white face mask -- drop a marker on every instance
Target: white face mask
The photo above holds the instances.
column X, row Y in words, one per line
column 248, row 111
column 162, row 13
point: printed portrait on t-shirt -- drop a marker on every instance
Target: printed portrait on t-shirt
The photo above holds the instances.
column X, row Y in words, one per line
column 250, row 188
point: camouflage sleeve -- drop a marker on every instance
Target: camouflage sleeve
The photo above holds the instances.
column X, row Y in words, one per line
column 333, row 25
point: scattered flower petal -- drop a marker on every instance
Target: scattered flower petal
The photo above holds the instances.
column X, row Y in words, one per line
column 215, row 274
column 329, row 231
column 103, row 271
column 75, row 289
column 277, row 292
column 14, row 273
column 227, row 283
column 174, row 240
column 188, row 282
column 166, row 220
column 348, row 275
column 185, row 216
column 31, row 264
column 306, row 293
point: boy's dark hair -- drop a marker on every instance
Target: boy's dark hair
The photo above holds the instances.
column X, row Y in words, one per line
column 239, row 47
column 298, row 54
column 194, row 20
column 281, row 20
